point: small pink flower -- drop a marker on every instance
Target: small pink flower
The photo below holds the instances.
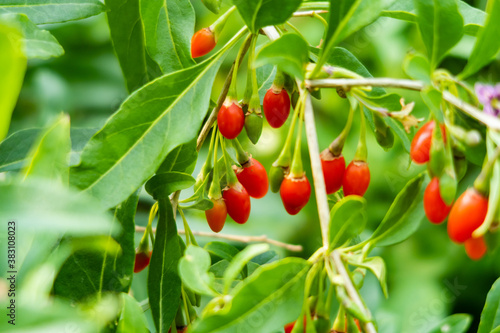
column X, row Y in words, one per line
column 489, row 96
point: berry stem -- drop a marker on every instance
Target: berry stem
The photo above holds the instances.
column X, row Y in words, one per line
column 285, row 157
column 214, row 192
column 481, row 184
column 241, row 155
column 339, row 323
column 233, row 91
column 338, row 144
column 189, row 235
column 297, row 169
column 230, row 175
column 255, row 99
column 361, row 151
column 279, row 80
column 218, row 25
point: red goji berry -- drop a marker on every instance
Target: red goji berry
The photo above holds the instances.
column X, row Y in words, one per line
column 216, row 216
column 295, row 193
column 435, row 208
column 202, row 42
column 253, row 177
column 356, row 178
column 467, row 214
column 230, row 120
column 237, row 202
column 421, row 143
column 276, row 107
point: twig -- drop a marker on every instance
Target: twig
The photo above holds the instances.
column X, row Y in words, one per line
column 237, row 238
column 351, row 290
column 309, row 13
column 366, row 82
column 489, row 121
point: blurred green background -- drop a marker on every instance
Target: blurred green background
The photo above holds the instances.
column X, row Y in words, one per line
column 429, row 277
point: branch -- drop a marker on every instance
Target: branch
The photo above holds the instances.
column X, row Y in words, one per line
column 317, row 171
column 309, row 13
column 351, row 290
column 237, row 238
column 472, row 111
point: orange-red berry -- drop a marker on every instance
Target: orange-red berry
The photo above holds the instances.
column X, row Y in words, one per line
column 202, row 42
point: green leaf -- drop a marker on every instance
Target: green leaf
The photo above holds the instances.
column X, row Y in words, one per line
column 193, row 269
column 181, row 159
column 487, row 44
column 221, row 250
column 47, row 207
column 14, row 149
column 37, row 43
column 132, row 318
column 457, row 323
column 53, row 11
column 441, row 27
column 473, row 18
column 212, row 5
column 168, row 28
column 164, row 283
column 50, row 156
column 289, row 53
column 12, row 69
column 347, row 219
column 403, row 217
column 417, row 67
column 376, row 265
column 278, row 286
column 490, row 317
column 349, row 16
column 240, row 260
column 103, row 271
column 129, row 43
column 164, row 184
column 136, row 140
column 261, row 13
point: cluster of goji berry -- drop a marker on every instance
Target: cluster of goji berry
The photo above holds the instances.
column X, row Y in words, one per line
column 468, row 212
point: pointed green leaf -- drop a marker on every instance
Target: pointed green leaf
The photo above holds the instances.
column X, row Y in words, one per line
column 164, row 283
column 129, row 43
column 347, row 219
column 132, row 318
column 212, row 5
column 289, row 52
column 490, row 317
column 441, row 27
column 137, row 139
column 473, row 18
column 181, row 159
column 487, row 44
column 193, row 269
column 168, row 28
column 221, row 250
column 37, row 43
column 240, row 260
column 261, row 13
column 50, row 156
column 457, row 323
column 14, row 149
column 164, row 184
column 376, row 265
column 53, row 11
column 404, row 215
column 103, row 271
column 278, row 286
column 12, row 69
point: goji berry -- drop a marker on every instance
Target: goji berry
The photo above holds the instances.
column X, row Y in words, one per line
column 237, row 202
column 141, row 261
column 333, row 171
column 435, row 208
column 230, row 120
column 356, row 178
column 276, row 107
column 295, row 193
column 475, row 248
column 421, row 143
column 202, row 42
column 216, row 216
column 467, row 214
column 253, row 177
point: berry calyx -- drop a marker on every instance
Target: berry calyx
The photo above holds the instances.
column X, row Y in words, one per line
column 142, row 260
column 295, row 193
column 421, row 143
column 202, row 42
column 333, row 171
column 435, row 208
column 237, row 202
column 356, row 178
column 230, row 119
column 467, row 214
column 216, row 216
column 252, row 175
column 475, row 248
column 276, row 106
